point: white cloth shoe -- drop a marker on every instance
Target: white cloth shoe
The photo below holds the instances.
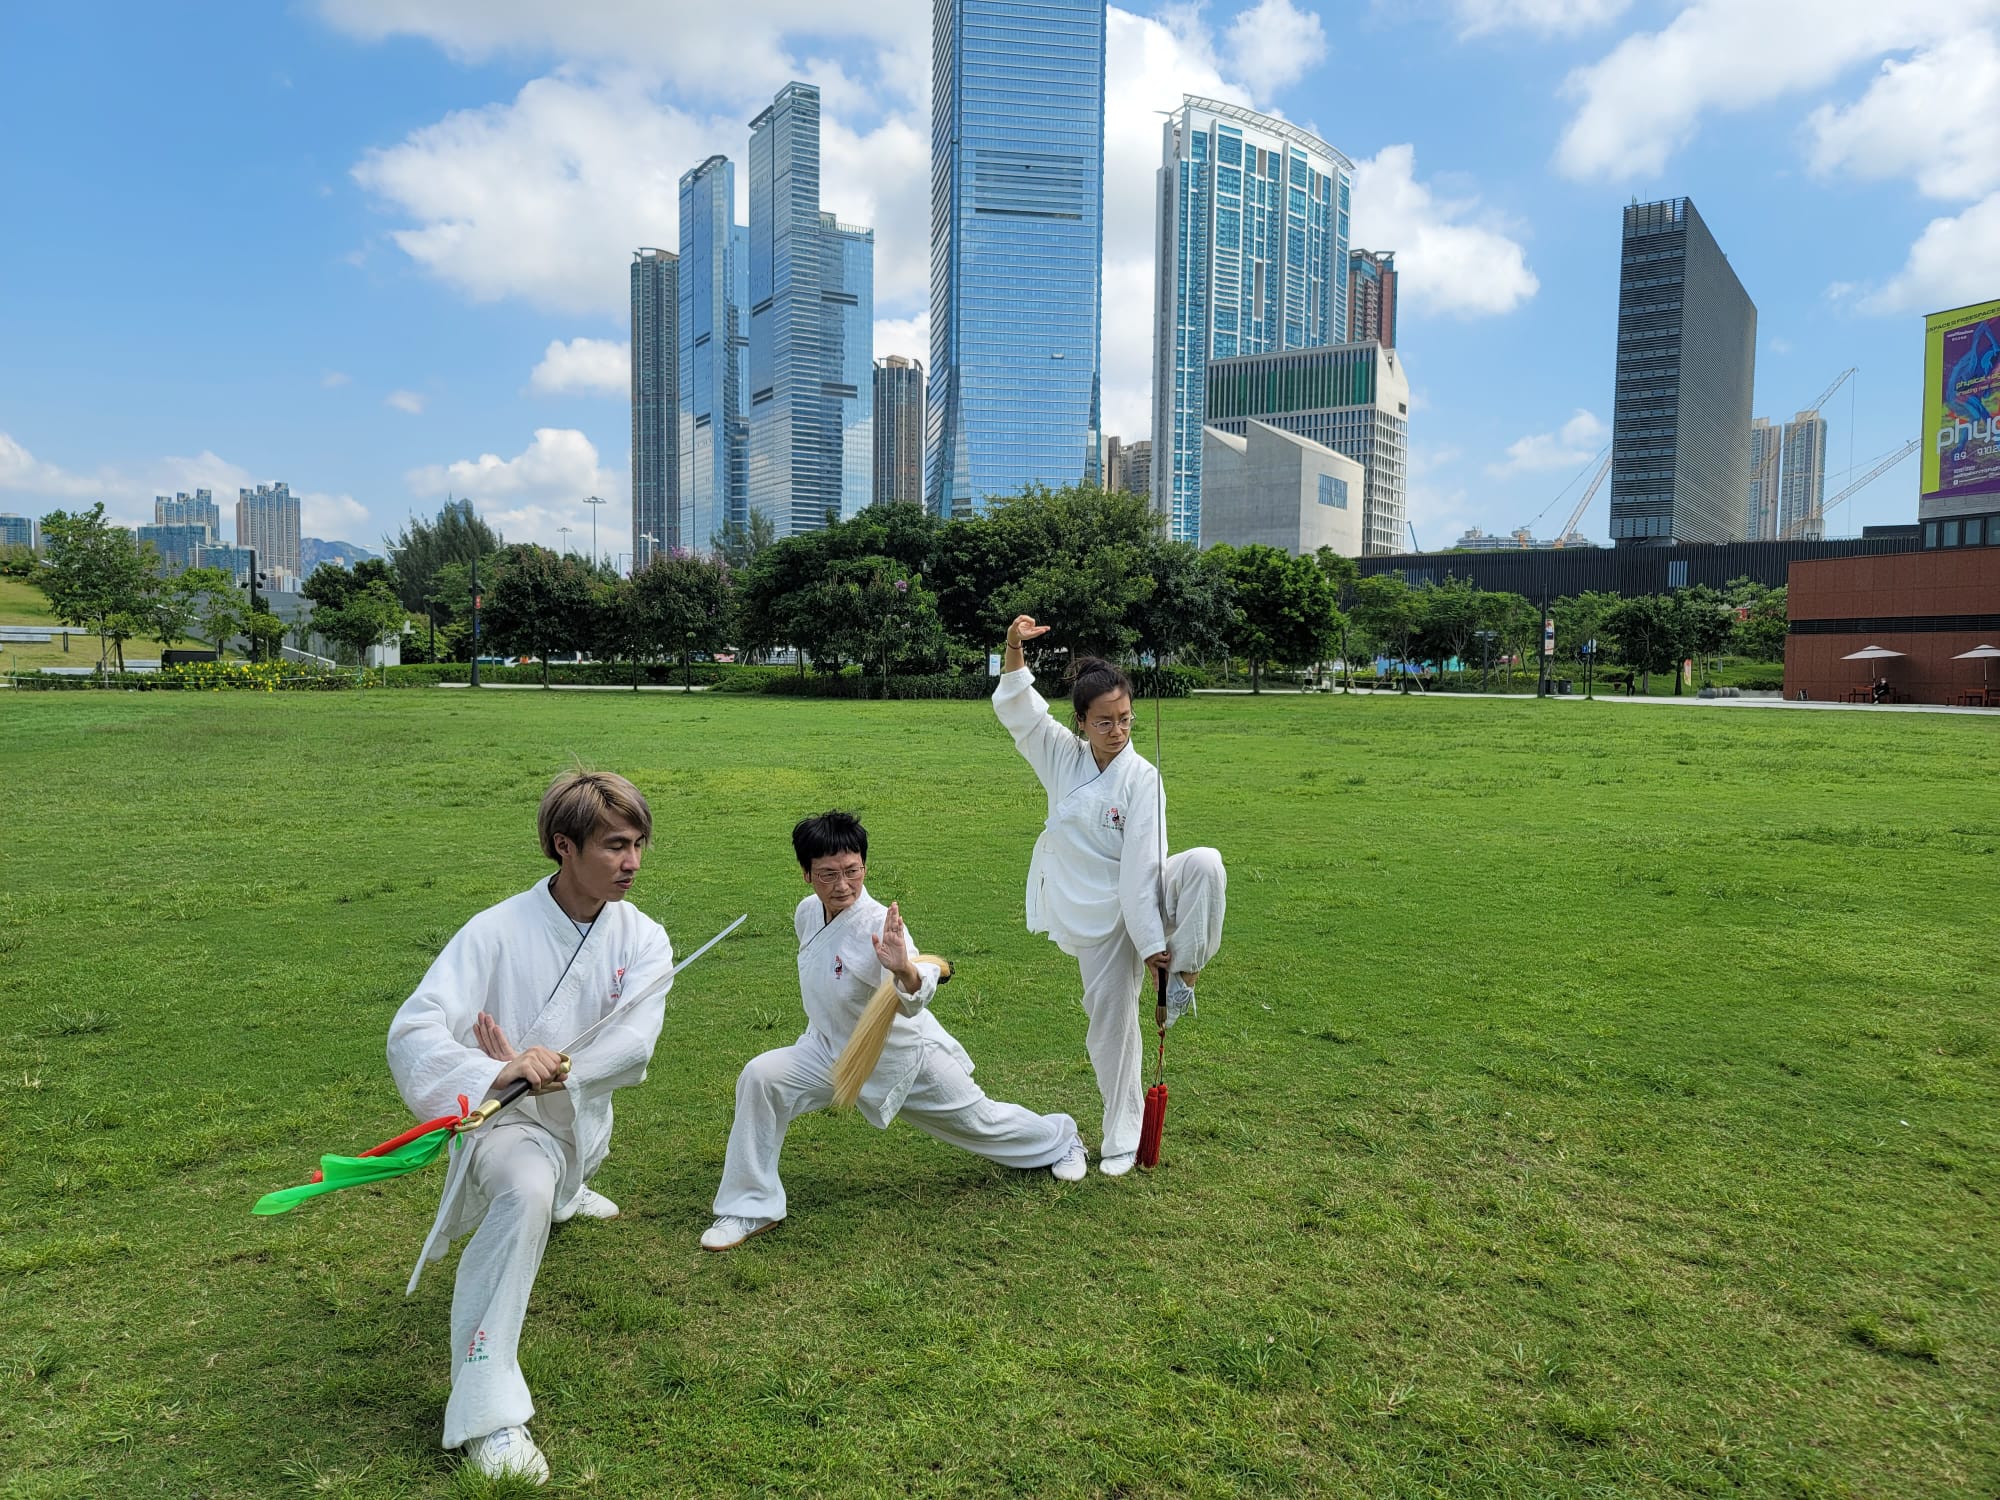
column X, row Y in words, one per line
column 508, row 1453
column 1180, row 998
column 1117, row 1166
column 587, row 1204
column 729, row 1231
column 1073, row 1165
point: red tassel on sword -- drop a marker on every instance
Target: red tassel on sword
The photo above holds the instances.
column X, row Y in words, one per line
column 1153, row 1126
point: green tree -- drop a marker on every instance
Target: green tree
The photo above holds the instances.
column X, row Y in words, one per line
column 1580, row 619
column 1761, row 620
column 456, row 535
column 1285, row 611
column 1707, row 622
column 95, row 577
column 265, row 632
column 776, row 600
column 539, row 603
column 1648, row 630
column 740, row 541
column 357, row 607
column 1386, row 609
column 1191, row 608
column 677, row 606
column 1452, row 613
column 883, row 617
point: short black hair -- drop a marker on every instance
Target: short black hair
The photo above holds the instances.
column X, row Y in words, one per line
column 828, row 833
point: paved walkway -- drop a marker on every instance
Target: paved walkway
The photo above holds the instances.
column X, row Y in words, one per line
column 571, row 687
column 1686, row 701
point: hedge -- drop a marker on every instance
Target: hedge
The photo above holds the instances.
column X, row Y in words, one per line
column 202, row 677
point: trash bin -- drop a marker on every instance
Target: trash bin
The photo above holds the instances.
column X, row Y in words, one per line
column 1562, row 684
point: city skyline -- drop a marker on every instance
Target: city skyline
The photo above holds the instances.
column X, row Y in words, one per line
column 418, row 349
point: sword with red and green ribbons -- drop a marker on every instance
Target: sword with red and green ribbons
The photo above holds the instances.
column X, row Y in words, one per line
column 420, row 1145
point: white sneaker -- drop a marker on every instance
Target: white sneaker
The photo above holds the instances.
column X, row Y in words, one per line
column 1117, row 1166
column 587, row 1204
column 729, row 1231
column 508, row 1453
column 1071, row 1168
column 1180, row 998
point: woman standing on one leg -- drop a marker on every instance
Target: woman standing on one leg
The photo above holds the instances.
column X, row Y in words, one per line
column 1095, row 885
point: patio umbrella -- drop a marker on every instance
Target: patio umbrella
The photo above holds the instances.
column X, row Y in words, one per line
column 1982, row 655
column 1875, row 653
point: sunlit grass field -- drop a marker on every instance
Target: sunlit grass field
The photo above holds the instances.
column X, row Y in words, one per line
column 1587, row 1102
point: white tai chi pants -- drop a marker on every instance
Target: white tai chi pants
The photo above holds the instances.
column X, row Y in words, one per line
column 516, row 1167
column 1113, row 974
column 776, row 1087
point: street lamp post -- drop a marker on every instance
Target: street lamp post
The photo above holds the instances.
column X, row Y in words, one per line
column 593, row 502
column 565, row 537
column 687, row 670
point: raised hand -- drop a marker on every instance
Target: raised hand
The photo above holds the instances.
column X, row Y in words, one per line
column 1023, row 629
column 492, row 1040
column 544, row 1069
column 892, row 949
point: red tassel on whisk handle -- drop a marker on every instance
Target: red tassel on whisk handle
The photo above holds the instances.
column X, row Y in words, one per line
column 1154, row 1123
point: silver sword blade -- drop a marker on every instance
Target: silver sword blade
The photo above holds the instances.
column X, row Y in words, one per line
column 607, row 1019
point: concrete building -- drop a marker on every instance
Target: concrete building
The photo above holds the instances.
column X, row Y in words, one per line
column 712, row 338
column 182, row 509
column 1519, row 539
column 1803, row 488
column 1017, row 249
column 1252, row 233
column 1928, row 606
column 267, row 522
column 1766, row 450
column 899, row 430
column 20, row 531
column 1352, row 398
column 233, row 560
column 1135, row 462
column 1686, row 360
column 656, row 461
column 811, row 290
column 1371, row 297
column 1271, row 487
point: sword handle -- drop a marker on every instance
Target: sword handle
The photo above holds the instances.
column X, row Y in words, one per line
column 507, row 1096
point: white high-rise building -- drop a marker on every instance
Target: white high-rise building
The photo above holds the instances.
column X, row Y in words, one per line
column 1253, row 259
column 1804, row 485
column 1766, row 443
column 267, row 522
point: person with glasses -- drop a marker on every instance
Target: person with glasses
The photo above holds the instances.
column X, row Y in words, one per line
column 1100, row 884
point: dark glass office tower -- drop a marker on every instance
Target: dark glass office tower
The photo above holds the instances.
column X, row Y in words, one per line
column 1687, row 354
column 656, row 458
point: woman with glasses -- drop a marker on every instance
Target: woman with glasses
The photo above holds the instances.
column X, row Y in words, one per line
column 1100, row 883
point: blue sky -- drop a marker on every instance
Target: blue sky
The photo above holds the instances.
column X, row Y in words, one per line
column 378, row 248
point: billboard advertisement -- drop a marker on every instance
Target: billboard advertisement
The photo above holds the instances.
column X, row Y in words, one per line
column 1962, row 403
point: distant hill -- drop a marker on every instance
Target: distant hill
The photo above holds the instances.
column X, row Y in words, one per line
column 313, row 552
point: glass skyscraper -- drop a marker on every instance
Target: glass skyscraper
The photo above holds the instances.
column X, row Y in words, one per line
column 1017, row 248
column 714, row 350
column 812, row 299
column 1687, row 354
column 656, row 463
column 1253, row 226
column 847, row 298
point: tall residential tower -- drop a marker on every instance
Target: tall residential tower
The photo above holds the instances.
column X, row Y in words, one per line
column 1252, row 233
column 1371, row 297
column 267, row 520
column 1687, row 354
column 1804, row 486
column 1765, row 448
column 656, row 464
column 1017, row 248
column 899, row 430
column 713, row 354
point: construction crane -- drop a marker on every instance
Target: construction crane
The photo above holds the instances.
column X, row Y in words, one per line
column 1415, row 545
column 1818, row 512
column 1589, row 490
column 1827, row 395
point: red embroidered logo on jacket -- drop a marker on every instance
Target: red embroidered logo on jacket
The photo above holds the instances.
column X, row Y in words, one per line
column 839, row 968
column 617, row 984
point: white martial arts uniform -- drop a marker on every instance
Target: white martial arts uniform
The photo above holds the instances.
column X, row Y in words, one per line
column 924, row 1074
column 1094, row 887
column 525, row 963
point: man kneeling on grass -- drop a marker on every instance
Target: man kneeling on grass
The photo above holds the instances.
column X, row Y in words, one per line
column 848, row 942
column 519, row 980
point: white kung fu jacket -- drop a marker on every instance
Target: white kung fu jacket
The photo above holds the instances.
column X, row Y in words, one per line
column 524, row 964
column 1098, row 861
column 838, row 971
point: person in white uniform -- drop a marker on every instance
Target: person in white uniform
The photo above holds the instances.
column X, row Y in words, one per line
column 517, row 982
column 1095, row 883
column 848, row 941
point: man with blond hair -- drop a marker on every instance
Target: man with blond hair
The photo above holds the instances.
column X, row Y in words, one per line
column 516, row 982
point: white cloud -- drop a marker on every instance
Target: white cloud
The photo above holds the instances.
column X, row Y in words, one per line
column 407, row 401
column 1950, row 265
column 21, row 472
column 1273, row 44
column 333, row 379
column 1577, row 441
column 332, row 517
column 591, row 367
column 1547, row 17
column 909, row 337
column 559, row 466
column 1778, row 345
column 1447, row 261
column 1646, row 98
column 128, row 497
column 1933, row 118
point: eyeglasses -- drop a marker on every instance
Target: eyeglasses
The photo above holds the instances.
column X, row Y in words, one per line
column 1105, row 726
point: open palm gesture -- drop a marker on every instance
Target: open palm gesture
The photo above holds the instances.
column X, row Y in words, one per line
column 892, row 946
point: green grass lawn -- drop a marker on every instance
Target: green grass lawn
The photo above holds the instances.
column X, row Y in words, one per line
column 1586, row 1103
column 21, row 603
